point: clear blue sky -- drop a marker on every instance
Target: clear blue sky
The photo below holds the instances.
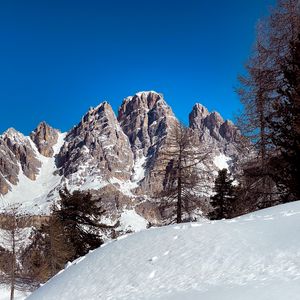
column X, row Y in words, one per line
column 58, row 57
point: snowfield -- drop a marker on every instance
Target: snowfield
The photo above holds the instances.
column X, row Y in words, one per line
column 256, row 256
column 36, row 195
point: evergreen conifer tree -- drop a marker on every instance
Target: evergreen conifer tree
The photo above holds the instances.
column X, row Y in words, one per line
column 222, row 201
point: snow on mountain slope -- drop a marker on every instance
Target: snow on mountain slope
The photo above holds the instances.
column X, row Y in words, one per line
column 256, row 256
column 35, row 195
column 221, row 161
column 130, row 220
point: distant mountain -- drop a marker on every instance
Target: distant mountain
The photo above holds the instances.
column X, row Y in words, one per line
column 114, row 157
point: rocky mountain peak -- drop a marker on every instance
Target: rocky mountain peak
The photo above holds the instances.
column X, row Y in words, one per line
column 118, row 159
column 144, row 118
column 45, row 137
column 97, row 116
column 96, row 147
column 198, row 113
column 213, row 120
column 211, row 126
column 13, row 136
column 145, row 99
column 16, row 151
column 229, row 131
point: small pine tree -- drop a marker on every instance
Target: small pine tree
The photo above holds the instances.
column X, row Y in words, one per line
column 79, row 216
column 222, row 201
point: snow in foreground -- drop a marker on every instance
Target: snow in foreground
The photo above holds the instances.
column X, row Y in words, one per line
column 256, row 256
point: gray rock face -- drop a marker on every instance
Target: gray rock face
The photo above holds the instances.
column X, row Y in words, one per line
column 145, row 119
column 118, row 159
column 229, row 132
column 16, row 151
column 45, row 137
column 9, row 168
column 96, row 148
column 212, row 129
column 197, row 116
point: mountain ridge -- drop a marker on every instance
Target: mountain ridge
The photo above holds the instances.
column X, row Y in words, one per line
column 115, row 156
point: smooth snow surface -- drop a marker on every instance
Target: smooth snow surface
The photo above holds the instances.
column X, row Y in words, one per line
column 34, row 194
column 256, row 256
column 221, row 161
column 130, row 220
column 139, row 169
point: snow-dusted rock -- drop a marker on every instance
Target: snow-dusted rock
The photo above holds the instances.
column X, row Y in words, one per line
column 45, row 137
column 96, row 150
column 213, row 130
column 16, row 156
column 145, row 119
column 118, row 159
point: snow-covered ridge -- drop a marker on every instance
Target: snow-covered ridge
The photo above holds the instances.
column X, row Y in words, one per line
column 105, row 153
column 256, row 256
column 14, row 135
column 146, row 93
column 140, row 94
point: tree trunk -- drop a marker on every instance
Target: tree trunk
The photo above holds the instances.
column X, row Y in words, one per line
column 179, row 200
column 13, row 265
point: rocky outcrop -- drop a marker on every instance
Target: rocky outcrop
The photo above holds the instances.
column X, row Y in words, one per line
column 197, row 116
column 229, row 132
column 212, row 129
column 145, row 119
column 45, row 137
column 9, row 168
column 150, row 212
column 16, row 152
column 96, row 148
column 119, row 160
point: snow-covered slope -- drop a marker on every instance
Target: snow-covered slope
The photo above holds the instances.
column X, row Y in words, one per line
column 256, row 256
column 35, row 196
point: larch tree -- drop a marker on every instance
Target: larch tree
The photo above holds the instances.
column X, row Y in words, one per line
column 284, row 122
column 254, row 92
column 270, row 94
column 13, row 236
column 181, row 157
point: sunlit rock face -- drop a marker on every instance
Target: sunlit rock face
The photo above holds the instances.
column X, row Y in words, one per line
column 97, row 147
column 45, row 137
column 16, row 155
column 119, row 159
column 212, row 129
column 146, row 119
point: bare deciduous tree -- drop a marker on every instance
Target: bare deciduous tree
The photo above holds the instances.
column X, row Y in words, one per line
column 270, row 94
column 181, row 159
column 13, row 237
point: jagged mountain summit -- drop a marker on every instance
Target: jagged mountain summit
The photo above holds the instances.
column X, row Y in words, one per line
column 114, row 157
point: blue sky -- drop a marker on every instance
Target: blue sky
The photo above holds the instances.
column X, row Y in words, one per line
column 58, row 58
